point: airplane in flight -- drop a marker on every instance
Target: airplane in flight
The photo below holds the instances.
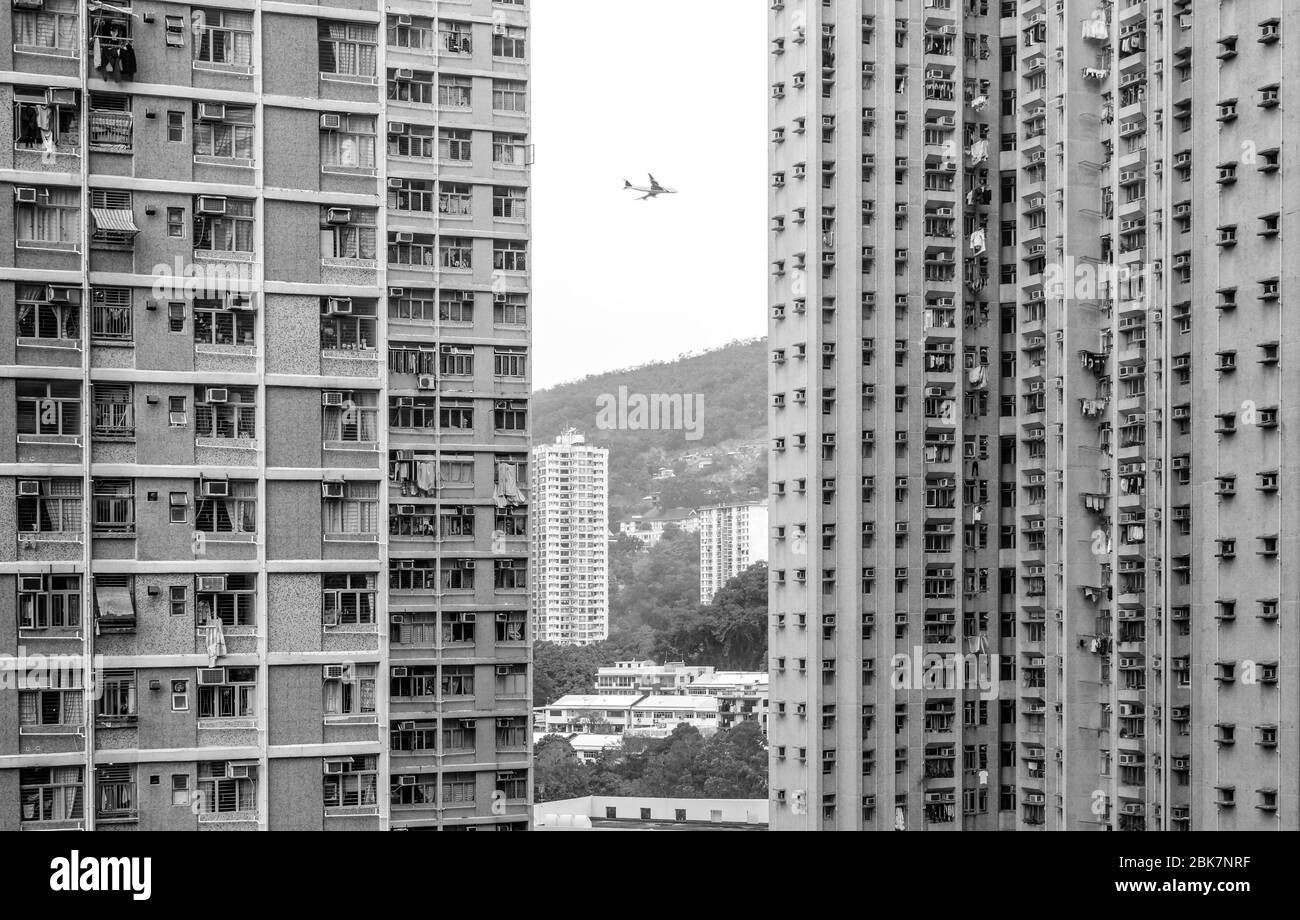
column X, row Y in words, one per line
column 653, row 191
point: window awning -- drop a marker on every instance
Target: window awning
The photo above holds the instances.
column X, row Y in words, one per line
column 107, row 219
column 115, row 602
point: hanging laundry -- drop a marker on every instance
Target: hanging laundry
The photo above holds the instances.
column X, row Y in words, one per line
column 507, row 490
column 426, row 476
column 978, row 242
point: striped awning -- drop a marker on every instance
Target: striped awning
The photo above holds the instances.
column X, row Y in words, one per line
column 110, row 219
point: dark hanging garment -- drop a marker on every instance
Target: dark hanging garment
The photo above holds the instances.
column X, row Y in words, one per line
column 126, row 61
column 28, row 130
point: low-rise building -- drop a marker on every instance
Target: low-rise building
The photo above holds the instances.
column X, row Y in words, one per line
column 741, row 695
column 648, row 677
column 637, row 813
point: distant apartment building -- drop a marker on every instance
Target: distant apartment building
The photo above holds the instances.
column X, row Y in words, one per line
column 649, row 529
column 641, row 677
column 1029, row 358
column 570, row 541
column 264, row 414
column 742, row 696
column 732, row 538
column 654, row 715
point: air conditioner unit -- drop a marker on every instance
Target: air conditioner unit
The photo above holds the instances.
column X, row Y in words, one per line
column 339, row 306
column 240, row 770
column 330, row 122
column 397, row 127
column 500, row 297
column 28, row 487
column 406, row 563
column 331, row 398
column 427, row 382
column 406, row 779
column 29, row 583
column 404, row 236
column 211, row 204
column 216, row 395
column 333, row 672
column 210, row 584
column 404, row 402
column 405, row 73
column 209, row 677
column 503, row 670
column 54, row 96
column 331, row 489
column 216, row 111
column 397, row 619
column 338, row 216
column 406, row 726
column 25, row 194
column 406, row 510
column 395, row 182
column 501, row 723
column 334, row 766
column 216, row 488
column 399, row 672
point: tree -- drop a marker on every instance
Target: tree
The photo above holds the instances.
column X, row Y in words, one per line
column 557, row 772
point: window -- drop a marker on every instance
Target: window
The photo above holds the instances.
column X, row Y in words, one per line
column 458, row 735
column 54, row 506
column 510, row 362
column 115, row 792
column 51, row 793
column 454, row 38
column 176, row 593
column 180, row 696
column 234, row 697
column 180, row 787
column 349, row 49
column 456, row 414
column 454, row 91
column 352, row 693
column 508, row 42
column 412, row 360
column 456, row 361
column 456, row 307
column 347, row 233
column 225, row 413
column 40, row 125
column 416, row 304
column 509, row 202
column 458, row 574
column 510, row 574
column 219, row 323
column 414, row 736
column 416, row 683
column 48, row 408
column 117, row 703
column 455, row 145
column 350, row 147
column 457, row 680
column 223, row 224
column 347, row 324
column 223, row 38
column 458, row 789
column 456, row 252
column 49, row 601
column 60, row 701
column 512, row 733
column 51, row 221
column 176, row 127
column 111, row 212
column 414, row 86
column 417, row 141
column 232, row 512
column 458, row 627
column 110, row 313
column 510, row 310
column 227, row 787
column 224, row 132
column 455, row 199
column 350, row 781
column 509, row 96
column 514, row 784
column 176, row 223
column 347, row 600
column 52, row 28
column 511, row 680
column 509, row 150
column 510, row 255
column 510, row 415
column 412, row 196
column 355, row 512
column 112, row 507
column 231, row 599
column 349, row 417
column 414, row 33
column 48, row 313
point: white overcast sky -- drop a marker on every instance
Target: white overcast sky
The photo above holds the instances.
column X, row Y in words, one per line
column 621, row 88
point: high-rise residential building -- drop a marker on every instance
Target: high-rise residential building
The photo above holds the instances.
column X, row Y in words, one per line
column 1026, row 416
column 732, row 538
column 264, row 369
column 570, row 541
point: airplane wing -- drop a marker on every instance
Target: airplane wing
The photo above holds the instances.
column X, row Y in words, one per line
column 647, row 195
column 654, row 183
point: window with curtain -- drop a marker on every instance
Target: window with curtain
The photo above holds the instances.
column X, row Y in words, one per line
column 223, row 37
column 54, row 218
column 351, row 145
column 53, row 27
column 352, row 781
column 356, row 421
column 51, row 793
column 231, row 138
column 348, row 49
column 229, row 232
column 353, row 695
column 356, row 513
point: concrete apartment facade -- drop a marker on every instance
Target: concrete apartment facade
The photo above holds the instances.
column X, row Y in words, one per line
column 570, row 541
column 1003, row 401
column 732, row 538
column 264, row 364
